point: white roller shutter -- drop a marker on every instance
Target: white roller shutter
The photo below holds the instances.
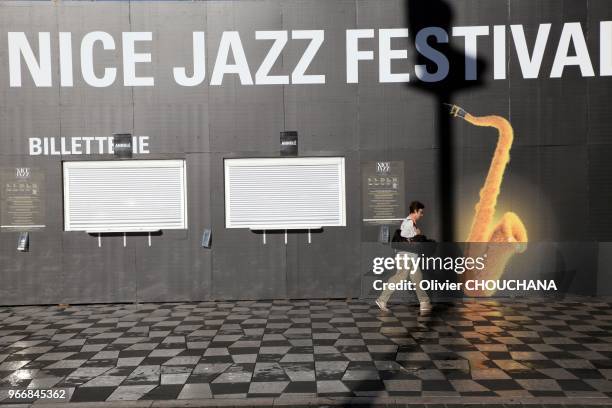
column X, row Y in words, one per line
column 123, row 196
column 285, row 193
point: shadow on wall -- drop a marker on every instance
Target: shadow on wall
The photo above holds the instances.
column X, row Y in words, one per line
column 429, row 23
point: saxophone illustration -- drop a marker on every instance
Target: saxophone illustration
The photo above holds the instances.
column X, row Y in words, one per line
column 497, row 242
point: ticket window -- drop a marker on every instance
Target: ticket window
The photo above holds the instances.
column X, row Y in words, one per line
column 125, row 196
column 285, row 193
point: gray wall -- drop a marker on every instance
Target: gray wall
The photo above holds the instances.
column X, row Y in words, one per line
column 605, row 269
column 558, row 182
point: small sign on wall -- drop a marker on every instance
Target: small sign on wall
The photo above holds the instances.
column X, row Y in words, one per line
column 289, row 143
column 22, row 198
column 382, row 186
column 122, row 145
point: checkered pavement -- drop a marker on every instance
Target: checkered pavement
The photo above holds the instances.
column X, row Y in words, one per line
column 309, row 348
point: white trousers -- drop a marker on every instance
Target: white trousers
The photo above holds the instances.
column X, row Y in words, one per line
column 402, row 274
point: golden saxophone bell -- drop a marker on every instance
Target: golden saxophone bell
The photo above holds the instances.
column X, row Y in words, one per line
column 499, row 242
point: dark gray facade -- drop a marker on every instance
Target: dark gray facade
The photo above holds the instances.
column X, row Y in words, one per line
column 559, row 179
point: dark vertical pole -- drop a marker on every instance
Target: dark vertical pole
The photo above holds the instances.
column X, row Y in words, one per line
column 446, row 181
column 438, row 13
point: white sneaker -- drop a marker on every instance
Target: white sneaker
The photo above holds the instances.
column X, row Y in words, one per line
column 382, row 306
column 425, row 307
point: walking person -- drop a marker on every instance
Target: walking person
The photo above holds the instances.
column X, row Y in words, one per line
column 409, row 230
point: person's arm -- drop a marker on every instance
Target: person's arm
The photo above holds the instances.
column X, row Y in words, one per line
column 408, row 229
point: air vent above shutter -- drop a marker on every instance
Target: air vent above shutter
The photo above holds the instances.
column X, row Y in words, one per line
column 123, row 196
column 285, row 193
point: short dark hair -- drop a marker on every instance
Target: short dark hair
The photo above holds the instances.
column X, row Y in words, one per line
column 415, row 206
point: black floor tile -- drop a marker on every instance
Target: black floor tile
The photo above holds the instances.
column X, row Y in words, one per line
column 163, row 392
column 91, row 394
